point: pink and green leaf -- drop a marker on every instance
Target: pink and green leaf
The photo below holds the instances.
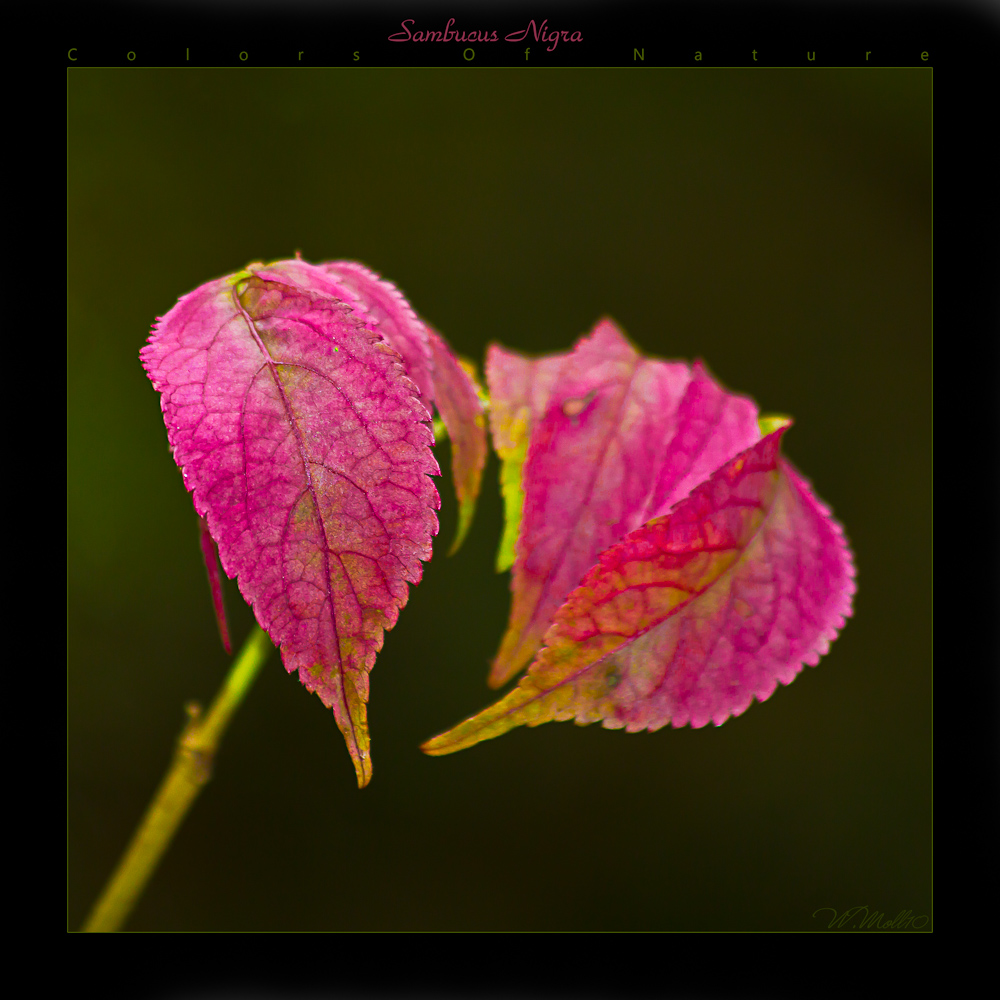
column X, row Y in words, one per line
column 307, row 448
column 512, row 450
column 457, row 397
column 438, row 374
column 613, row 439
column 694, row 614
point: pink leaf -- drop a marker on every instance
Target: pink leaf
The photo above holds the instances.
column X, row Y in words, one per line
column 382, row 301
column 306, row 447
column 615, row 439
column 429, row 361
column 210, row 552
column 693, row 615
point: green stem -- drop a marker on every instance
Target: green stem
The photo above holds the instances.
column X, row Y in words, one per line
column 191, row 768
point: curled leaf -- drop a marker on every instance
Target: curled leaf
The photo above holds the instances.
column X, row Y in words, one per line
column 439, row 376
column 210, row 553
column 610, row 439
column 694, row 614
column 307, row 448
column 457, row 398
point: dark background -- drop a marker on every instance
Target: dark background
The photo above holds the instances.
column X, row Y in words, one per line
column 774, row 222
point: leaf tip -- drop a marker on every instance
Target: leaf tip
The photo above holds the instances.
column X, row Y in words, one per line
column 771, row 422
column 504, row 561
column 466, row 508
column 444, row 743
column 501, row 671
column 363, row 768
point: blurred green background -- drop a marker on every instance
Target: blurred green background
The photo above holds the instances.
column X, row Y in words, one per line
column 776, row 223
